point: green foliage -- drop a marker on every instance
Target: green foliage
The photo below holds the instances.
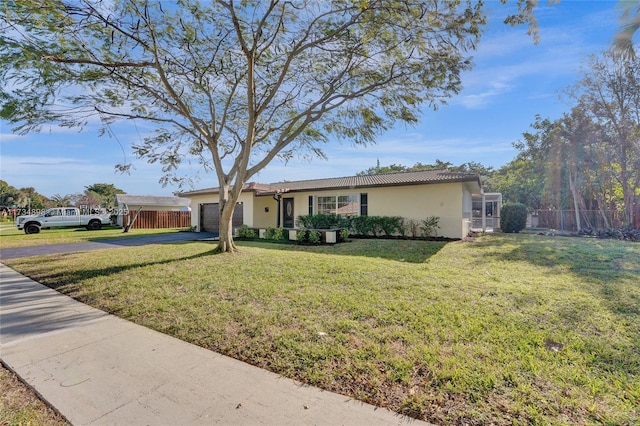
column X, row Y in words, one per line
column 105, row 193
column 547, row 334
column 430, row 226
column 276, row 234
column 362, row 225
column 628, row 233
column 245, row 232
column 308, row 236
column 302, row 235
column 390, row 225
column 314, row 237
column 513, row 217
column 344, row 234
column 394, row 225
column 353, row 68
column 321, row 221
column 484, row 172
column 61, row 200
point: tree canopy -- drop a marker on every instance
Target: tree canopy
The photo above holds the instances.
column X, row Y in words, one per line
column 589, row 159
column 233, row 85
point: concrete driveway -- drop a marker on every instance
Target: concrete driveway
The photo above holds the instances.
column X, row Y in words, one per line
column 12, row 253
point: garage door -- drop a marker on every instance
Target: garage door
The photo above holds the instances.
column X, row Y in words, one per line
column 210, row 217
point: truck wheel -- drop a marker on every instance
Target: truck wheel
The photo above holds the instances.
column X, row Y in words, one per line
column 94, row 225
column 31, row 229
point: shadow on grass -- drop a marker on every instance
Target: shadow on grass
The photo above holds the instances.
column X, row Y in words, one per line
column 70, row 279
column 410, row 251
column 607, row 268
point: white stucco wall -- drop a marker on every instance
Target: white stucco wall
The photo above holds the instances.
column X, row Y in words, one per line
column 450, row 202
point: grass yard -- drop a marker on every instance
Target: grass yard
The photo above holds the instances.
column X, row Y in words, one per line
column 508, row 329
column 19, row 405
column 11, row 237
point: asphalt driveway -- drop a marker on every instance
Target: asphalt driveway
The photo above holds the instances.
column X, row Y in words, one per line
column 15, row 252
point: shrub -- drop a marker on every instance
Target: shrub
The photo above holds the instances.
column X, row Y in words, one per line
column 314, row 237
column 274, row 234
column 411, row 228
column 630, row 233
column 513, row 217
column 245, row 232
column 268, row 233
column 321, row 221
column 301, row 235
column 430, row 226
column 278, row 234
column 362, row 225
column 390, row 225
column 376, row 225
column 344, row 234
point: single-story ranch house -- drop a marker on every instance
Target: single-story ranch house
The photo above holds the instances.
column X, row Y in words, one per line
column 411, row 195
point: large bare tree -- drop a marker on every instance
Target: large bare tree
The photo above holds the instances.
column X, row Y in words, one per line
column 234, row 84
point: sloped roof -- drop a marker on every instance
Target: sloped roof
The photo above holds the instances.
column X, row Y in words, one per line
column 147, row 200
column 352, row 182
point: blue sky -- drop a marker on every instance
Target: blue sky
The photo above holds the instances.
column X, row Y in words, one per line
column 512, row 81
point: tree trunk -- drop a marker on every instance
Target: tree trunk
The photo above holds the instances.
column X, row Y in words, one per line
column 603, row 214
column 227, row 203
column 574, row 192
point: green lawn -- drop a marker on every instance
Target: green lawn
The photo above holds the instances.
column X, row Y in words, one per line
column 508, row 329
column 11, row 237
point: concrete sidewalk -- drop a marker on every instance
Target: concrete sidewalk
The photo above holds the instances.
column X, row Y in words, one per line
column 97, row 369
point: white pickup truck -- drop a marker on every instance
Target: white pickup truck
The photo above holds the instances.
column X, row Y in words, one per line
column 59, row 217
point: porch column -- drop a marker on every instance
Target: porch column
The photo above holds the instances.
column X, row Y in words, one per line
column 484, row 214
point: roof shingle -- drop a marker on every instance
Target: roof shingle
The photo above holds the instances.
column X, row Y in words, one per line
column 351, row 182
column 144, row 200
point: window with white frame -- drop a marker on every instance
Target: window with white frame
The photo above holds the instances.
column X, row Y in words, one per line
column 342, row 205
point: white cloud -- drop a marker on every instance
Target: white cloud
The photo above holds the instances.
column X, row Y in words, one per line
column 9, row 137
column 53, row 175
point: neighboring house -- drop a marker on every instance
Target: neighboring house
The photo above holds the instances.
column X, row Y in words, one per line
column 412, row 195
column 154, row 211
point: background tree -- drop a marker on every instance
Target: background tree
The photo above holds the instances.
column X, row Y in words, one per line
column 234, row 85
column 8, row 194
column 609, row 92
column 471, row 167
column 105, row 194
column 29, row 199
column 87, row 201
column 534, row 177
column 61, row 200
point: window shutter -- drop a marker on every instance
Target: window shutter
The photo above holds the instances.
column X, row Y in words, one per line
column 364, row 208
column 310, row 205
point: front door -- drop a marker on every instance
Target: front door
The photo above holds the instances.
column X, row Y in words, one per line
column 288, row 214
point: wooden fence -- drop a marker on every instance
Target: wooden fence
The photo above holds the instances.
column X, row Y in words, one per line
column 151, row 219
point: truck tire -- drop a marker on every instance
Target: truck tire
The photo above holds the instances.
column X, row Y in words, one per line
column 94, row 225
column 31, row 228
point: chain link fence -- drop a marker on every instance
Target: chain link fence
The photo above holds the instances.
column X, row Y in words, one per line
column 565, row 220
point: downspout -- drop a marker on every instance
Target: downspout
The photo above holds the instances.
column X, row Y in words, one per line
column 277, row 197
